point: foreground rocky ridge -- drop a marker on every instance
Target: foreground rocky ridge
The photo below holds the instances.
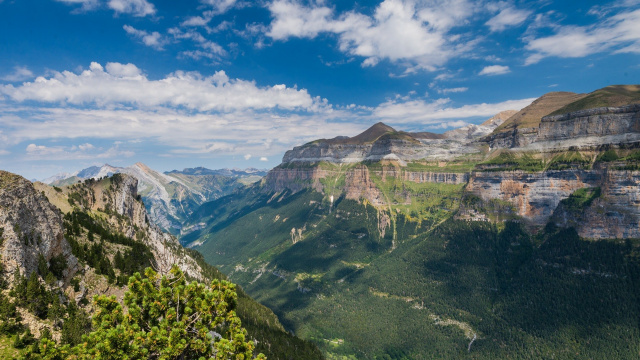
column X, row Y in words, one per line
column 105, row 220
column 31, row 226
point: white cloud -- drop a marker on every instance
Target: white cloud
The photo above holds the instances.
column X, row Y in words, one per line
column 198, row 20
column 181, row 132
column 138, row 8
column 86, row 4
column 20, row 73
column 33, row 149
column 210, row 49
column 435, row 112
column 83, row 151
column 506, row 18
column 453, row 90
column 191, row 115
column 415, row 32
column 247, row 156
column 153, row 39
column 495, row 70
column 619, row 33
column 191, row 90
column 220, row 6
column 83, row 147
column 123, row 70
column 449, row 125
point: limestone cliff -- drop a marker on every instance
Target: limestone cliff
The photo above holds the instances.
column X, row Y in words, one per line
column 117, row 200
column 31, row 226
column 613, row 212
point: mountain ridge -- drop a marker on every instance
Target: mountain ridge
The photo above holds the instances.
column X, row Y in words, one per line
column 459, row 242
column 172, row 196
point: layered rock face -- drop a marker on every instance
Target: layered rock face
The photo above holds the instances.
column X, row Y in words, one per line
column 31, row 227
column 394, row 146
column 535, row 196
column 614, row 214
column 295, row 179
column 579, row 129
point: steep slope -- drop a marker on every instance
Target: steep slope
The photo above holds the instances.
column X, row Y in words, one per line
column 91, row 236
column 344, row 273
column 170, row 197
column 31, row 226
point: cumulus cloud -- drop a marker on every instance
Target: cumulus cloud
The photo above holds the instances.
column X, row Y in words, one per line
column 191, row 90
column 123, row 70
column 495, row 70
column 33, row 149
column 193, row 115
column 151, row 39
column 416, row 32
column 247, row 156
column 139, row 8
column 507, row 18
column 20, row 73
column 619, row 33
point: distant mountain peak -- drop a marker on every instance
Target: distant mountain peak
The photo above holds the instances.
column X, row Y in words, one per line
column 374, row 132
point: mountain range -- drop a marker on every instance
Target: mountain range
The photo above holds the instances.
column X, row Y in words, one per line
column 513, row 239
column 516, row 238
column 170, row 197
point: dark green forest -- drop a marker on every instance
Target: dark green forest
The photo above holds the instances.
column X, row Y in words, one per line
column 448, row 289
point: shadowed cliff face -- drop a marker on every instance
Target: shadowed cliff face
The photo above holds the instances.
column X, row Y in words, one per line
column 31, row 226
column 613, row 212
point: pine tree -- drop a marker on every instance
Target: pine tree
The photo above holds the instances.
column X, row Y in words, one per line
column 166, row 318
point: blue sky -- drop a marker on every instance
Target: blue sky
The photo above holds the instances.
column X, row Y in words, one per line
column 233, row 83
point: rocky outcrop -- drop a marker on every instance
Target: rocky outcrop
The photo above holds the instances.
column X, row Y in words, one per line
column 295, row 178
column 358, row 184
column 122, row 196
column 31, row 227
column 533, row 195
column 614, row 214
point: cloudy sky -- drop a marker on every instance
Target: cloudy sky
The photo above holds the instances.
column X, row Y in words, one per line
column 234, row 83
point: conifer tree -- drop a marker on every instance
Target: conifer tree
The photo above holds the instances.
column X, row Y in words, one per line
column 166, row 318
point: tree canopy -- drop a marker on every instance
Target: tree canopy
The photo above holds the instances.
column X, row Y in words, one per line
column 166, row 317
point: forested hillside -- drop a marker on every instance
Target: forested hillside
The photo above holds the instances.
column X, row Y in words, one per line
column 110, row 240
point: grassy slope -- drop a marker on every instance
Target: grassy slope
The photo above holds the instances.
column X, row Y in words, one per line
column 343, row 287
column 616, row 95
column 7, row 351
column 530, row 116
